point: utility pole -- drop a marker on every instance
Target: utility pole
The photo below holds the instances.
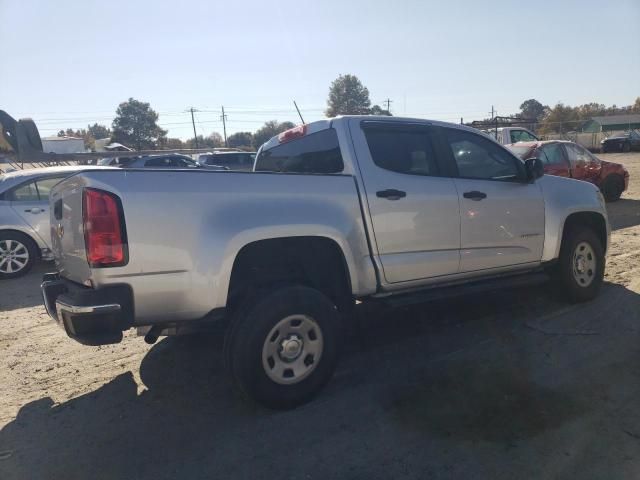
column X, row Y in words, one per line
column 493, row 112
column 299, row 114
column 224, row 126
column 193, row 122
column 388, row 102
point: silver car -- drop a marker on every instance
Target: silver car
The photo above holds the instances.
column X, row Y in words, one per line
column 24, row 217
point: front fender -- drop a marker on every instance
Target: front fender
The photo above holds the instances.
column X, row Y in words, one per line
column 564, row 197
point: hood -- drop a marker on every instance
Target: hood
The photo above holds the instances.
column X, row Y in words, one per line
column 616, row 138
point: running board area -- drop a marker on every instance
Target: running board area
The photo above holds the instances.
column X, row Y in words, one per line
column 463, row 289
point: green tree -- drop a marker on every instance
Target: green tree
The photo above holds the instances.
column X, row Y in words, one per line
column 559, row 119
column 240, row 139
column 170, row 143
column 378, row 110
column 268, row 130
column 347, row 96
column 136, row 125
column 533, row 109
column 212, row 141
column 98, row 131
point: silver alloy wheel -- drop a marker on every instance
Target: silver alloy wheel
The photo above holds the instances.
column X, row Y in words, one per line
column 584, row 264
column 14, row 256
column 292, row 350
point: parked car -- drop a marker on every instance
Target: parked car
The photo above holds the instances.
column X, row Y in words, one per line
column 507, row 135
column 24, row 217
column 375, row 209
column 162, row 161
column 242, row 161
column 568, row 159
column 624, row 142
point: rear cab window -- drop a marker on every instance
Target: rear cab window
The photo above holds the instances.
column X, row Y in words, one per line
column 317, row 153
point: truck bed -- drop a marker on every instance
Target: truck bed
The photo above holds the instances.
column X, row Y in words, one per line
column 186, row 227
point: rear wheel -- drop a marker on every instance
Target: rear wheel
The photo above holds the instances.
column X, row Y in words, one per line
column 612, row 188
column 282, row 346
column 580, row 268
column 18, row 253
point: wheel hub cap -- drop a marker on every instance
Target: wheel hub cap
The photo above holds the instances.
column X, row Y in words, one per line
column 14, row 256
column 584, row 264
column 292, row 349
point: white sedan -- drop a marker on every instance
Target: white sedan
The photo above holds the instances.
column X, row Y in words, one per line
column 24, row 217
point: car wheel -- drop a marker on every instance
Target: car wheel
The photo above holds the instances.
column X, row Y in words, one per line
column 626, row 147
column 18, row 253
column 580, row 268
column 612, row 188
column 282, row 346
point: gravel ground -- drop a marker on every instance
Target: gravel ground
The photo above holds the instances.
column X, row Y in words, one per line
column 509, row 385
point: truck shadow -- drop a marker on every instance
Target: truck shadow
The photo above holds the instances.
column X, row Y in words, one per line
column 455, row 371
column 24, row 292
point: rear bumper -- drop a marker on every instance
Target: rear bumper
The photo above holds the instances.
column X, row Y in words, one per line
column 89, row 316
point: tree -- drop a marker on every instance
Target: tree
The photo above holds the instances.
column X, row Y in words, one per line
column 636, row 106
column 98, row 131
column 378, row 110
column 240, row 139
column 212, row 141
column 268, row 130
column 170, row 143
column 533, row 109
column 561, row 118
column 347, row 96
column 136, row 125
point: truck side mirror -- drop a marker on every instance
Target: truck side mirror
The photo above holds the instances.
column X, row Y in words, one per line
column 534, row 169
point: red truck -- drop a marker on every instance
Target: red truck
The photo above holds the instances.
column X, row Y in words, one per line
column 567, row 159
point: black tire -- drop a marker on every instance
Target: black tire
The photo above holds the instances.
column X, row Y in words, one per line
column 626, row 147
column 612, row 188
column 25, row 245
column 248, row 334
column 568, row 285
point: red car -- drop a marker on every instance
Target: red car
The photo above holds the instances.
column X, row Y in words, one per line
column 568, row 159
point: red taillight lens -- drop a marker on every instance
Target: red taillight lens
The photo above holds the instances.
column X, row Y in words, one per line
column 104, row 235
column 292, row 133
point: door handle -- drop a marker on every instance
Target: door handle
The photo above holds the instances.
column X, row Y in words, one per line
column 475, row 195
column 391, row 194
column 34, row 210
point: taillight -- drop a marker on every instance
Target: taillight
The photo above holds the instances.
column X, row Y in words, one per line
column 104, row 233
column 292, row 133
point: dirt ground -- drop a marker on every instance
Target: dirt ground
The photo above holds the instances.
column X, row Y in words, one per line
column 508, row 385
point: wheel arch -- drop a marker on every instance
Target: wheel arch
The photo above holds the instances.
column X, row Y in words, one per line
column 594, row 220
column 29, row 237
column 319, row 262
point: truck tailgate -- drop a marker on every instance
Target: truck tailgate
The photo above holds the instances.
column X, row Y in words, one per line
column 67, row 232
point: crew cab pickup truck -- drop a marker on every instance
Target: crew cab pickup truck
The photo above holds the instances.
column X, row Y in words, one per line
column 352, row 208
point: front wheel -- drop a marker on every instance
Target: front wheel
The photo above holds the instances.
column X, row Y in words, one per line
column 580, row 268
column 612, row 188
column 282, row 346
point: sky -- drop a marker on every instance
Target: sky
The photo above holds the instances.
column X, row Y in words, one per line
column 70, row 63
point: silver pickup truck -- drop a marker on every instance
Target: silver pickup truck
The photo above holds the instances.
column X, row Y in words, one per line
column 337, row 211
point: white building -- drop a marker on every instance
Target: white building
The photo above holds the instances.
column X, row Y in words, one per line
column 63, row 145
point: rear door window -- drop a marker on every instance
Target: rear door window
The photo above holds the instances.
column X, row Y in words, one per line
column 315, row 153
column 25, row 193
column 403, row 151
